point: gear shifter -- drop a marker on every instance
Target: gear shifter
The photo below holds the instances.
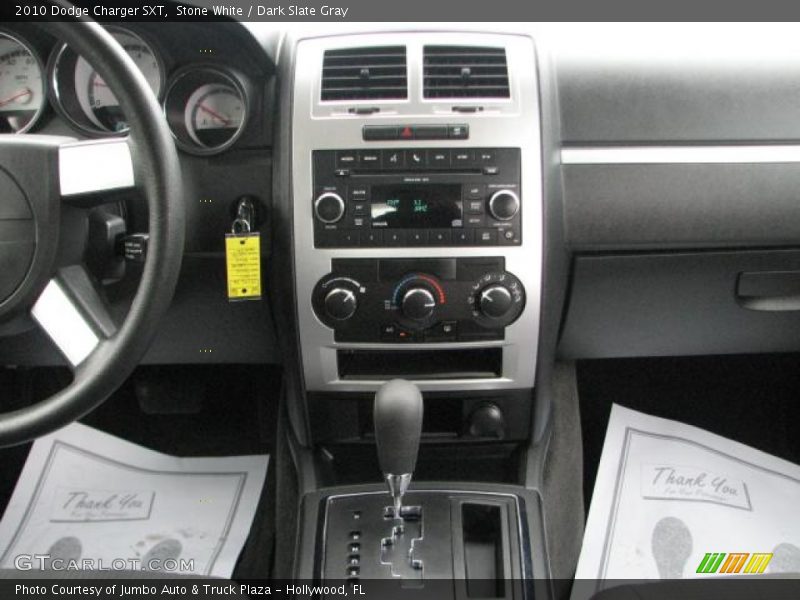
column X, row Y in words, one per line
column 398, row 426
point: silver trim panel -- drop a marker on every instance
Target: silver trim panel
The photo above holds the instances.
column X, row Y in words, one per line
column 57, row 316
column 513, row 123
column 95, row 166
column 654, row 155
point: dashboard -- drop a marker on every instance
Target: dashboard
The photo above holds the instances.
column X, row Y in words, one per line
column 656, row 191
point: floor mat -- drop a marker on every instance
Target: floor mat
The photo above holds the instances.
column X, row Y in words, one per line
column 752, row 399
column 673, row 501
column 89, row 500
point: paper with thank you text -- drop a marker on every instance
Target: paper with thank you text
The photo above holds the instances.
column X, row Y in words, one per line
column 88, row 500
column 668, row 494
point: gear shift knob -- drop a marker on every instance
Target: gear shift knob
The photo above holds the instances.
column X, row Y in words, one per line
column 398, row 426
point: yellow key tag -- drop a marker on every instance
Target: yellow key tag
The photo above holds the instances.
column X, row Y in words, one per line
column 243, row 260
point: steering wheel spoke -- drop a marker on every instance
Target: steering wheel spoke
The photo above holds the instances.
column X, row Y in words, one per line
column 48, row 181
column 73, row 314
column 89, row 170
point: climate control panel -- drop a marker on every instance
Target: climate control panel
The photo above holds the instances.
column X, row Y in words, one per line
column 418, row 300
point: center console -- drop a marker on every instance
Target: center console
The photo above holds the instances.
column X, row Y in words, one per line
column 417, row 216
column 417, row 244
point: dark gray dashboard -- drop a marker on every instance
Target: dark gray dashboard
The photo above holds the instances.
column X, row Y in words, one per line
column 707, row 192
column 680, row 177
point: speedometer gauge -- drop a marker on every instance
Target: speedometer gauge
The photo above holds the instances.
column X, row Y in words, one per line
column 98, row 109
column 97, row 100
column 21, row 85
column 214, row 114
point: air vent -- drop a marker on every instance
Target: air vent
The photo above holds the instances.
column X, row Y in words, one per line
column 465, row 72
column 365, row 74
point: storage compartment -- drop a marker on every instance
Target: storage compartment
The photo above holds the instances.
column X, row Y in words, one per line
column 482, row 536
column 479, row 363
column 683, row 304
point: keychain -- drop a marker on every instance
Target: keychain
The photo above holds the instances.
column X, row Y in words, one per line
column 243, row 254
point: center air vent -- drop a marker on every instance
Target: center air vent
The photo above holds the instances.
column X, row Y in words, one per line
column 365, row 74
column 465, row 72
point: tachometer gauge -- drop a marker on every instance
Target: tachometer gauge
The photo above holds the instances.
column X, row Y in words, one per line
column 21, row 85
column 214, row 114
column 207, row 109
column 95, row 97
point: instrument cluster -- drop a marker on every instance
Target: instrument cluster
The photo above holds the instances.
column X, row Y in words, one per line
column 207, row 104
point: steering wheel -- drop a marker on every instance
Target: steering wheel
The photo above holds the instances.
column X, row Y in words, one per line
column 37, row 174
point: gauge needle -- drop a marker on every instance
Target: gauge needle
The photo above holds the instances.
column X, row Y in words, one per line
column 16, row 96
column 99, row 83
column 214, row 114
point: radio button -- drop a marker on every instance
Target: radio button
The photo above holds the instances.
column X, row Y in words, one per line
column 417, row 237
column 371, row 238
column 476, row 221
column 369, row 159
column 393, row 159
column 346, row 159
column 439, row 158
column 463, row 237
column 484, row 157
column 359, row 208
column 509, row 237
column 341, row 172
column 416, row 158
column 439, row 237
column 476, row 191
column 394, row 238
column 358, row 222
column 347, row 239
column 474, row 207
column 486, row 237
column 463, row 158
column 358, row 193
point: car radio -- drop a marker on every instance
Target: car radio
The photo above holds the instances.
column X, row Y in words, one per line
column 417, row 197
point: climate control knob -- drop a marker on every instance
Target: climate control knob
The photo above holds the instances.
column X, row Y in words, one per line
column 495, row 301
column 340, row 304
column 418, row 304
column 329, row 207
column 504, row 205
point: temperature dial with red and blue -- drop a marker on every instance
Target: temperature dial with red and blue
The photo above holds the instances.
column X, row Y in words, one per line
column 416, row 299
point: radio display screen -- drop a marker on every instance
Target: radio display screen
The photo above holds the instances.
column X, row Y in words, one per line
column 423, row 206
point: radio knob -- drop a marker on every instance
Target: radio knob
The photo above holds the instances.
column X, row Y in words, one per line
column 340, row 304
column 504, row 205
column 329, row 207
column 495, row 301
column 418, row 304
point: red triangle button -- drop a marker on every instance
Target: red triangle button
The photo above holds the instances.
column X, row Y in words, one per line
column 406, row 133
